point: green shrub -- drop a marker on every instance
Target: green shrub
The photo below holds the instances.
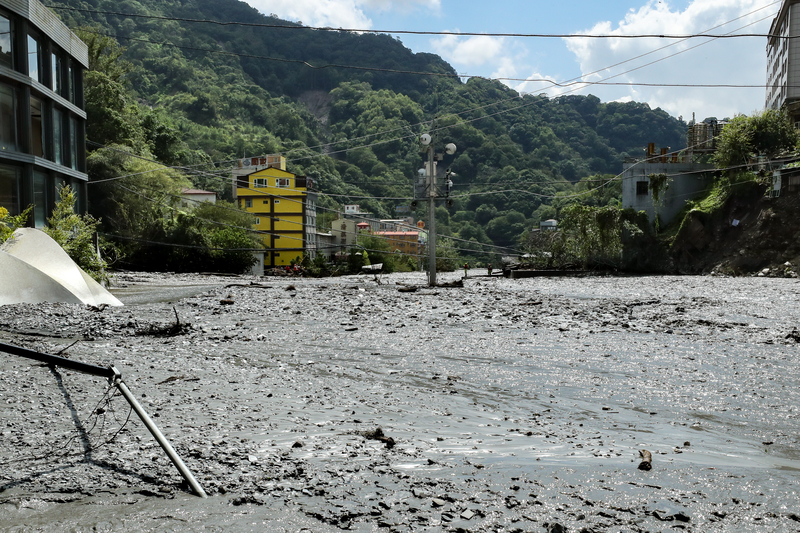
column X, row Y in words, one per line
column 10, row 223
column 75, row 234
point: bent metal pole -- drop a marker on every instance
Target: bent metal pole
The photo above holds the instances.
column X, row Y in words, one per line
column 162, row 441
column 115, row 378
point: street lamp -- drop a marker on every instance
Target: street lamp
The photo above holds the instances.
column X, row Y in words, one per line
column 432, row 192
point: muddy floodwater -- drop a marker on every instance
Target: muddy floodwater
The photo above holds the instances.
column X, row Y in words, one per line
column 348, row 405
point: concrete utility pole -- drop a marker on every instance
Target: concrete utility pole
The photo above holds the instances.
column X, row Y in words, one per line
column 430, row 170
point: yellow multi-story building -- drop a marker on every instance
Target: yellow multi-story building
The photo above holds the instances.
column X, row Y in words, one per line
column 406, row 242
column 284, row 205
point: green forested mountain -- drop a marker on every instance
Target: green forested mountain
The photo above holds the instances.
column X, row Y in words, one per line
column 199, row 93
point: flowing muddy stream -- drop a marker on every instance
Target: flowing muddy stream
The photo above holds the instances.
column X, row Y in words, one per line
column 504, row 405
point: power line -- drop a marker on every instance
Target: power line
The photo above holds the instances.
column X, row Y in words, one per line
column 445, row 74
column 573, row 90
column 178, row 245
column 674, row 44
column 671, row 56
column 294, row 199
column 571, row 82
column 618, row 64
column 161, row 166
column 423, row 32
column 400, row 138
column 604, row 183
column 552, row 82
column 174, row 208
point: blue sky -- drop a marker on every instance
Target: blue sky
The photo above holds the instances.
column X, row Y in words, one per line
column 739, row 61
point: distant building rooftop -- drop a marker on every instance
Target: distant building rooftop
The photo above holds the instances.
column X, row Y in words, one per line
column 396, row 233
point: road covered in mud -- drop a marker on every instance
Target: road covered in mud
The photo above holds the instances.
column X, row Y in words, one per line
column 346, row 404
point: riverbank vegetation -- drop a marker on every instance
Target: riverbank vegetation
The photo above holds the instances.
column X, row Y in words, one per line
column 603, row 237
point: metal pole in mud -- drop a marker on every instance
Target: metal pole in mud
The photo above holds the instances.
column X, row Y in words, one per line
column 77, row 366
column 115, row 378
column 162, row 441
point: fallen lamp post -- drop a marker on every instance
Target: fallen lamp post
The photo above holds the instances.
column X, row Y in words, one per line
column 114, row 378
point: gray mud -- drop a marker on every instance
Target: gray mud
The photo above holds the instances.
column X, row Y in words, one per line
column 506, row 405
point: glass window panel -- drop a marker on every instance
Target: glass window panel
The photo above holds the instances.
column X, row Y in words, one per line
column 9, row 188
column 80, row 206
column 8, row 118
column 6, row 57
column 34, row 59
column 37, row 127
column 71, row 83
column 73, row 143
column 39, row 199
column 58, row 136
column 56, row 65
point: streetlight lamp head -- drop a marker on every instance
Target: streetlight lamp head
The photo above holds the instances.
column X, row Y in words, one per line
column 425, row 139
column 450, row 148
column 421, row 172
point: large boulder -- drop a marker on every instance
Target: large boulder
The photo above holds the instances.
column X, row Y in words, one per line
column 36, row 269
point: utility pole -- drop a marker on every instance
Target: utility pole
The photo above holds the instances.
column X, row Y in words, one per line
column 431, row 170
column 433, row 193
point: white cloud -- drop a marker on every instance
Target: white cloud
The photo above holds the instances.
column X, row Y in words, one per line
column 431, row 6
column 505, row 67
column 333, row 13
column 738, row 61
column 475, row 51
column 337, row 13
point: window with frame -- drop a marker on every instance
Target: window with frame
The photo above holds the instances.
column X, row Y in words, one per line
column 71, row 83
column 58, row 136
column 8, row 118
column 57, row 83
column 73, row 143
column 6, row 40
column 277, row 201
column 282, row 182
column 642, row 188
column 39, row 199
column 9, row 188
column 34, row 59
column 248, row 202
column 258, row 221
column 37, row 127
column 260, row 182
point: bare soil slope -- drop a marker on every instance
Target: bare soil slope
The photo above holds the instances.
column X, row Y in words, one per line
column 751, row 233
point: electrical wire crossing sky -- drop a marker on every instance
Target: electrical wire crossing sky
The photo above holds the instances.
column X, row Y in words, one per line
column 700, row 76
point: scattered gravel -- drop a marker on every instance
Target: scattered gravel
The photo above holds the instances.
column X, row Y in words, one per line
column 346, row 404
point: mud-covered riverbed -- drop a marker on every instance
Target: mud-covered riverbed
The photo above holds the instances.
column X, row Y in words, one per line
column 505, row 405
